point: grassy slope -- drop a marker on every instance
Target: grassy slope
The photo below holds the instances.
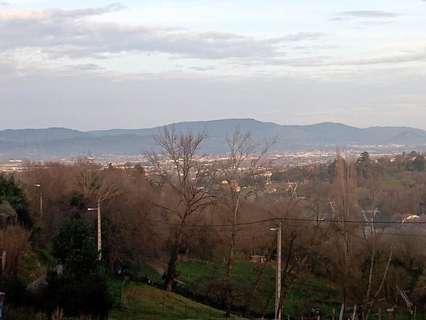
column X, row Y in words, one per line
column 149, row 303
column 309, row 292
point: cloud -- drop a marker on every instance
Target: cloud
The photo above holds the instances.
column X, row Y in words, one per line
column 394, row 59
column 81, row 13
column 202, row 69
column 86, row 67
column 68, row 33
column 331, row 61
column 369, row 14
column 364, row 14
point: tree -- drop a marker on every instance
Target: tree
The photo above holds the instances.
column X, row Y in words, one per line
column 11, row 192
column 239, row 168
column 78, row 286
column 345, row 207
column 14, row 244
column 74, row 248
column 363, row 165
column 419, row 163
column 181, row 176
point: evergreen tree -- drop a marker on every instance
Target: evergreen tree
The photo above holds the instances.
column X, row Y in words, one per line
column 78, row 286
column 363, row 165
column 11, row 192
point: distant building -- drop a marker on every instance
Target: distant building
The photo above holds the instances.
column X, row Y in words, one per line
column 258, row 259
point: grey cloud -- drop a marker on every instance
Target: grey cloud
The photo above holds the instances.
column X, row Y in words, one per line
column 329, row 61
column 368, row 14
column 301, row 36
column 202, row 69
column 67, row 33
column 403, row 58
column 87, row 67
column 81, row 13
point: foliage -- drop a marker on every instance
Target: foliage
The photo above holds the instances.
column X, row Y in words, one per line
column 74, row 247
column 14, row 195
column 81, row 287
column 14, row 242
column 145, row 302
column 14, row 287
column 152, row 219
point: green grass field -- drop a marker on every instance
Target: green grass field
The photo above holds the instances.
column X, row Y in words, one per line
column 149, row 303
column 203, row 279
column 200, row 276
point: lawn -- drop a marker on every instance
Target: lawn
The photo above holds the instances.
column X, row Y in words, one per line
column 202, row 281
column 205, row 279
column 201, row 278
column 149, row 303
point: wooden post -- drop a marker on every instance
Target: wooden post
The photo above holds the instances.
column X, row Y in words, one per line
column 391, row 313
column 342, row 311
column 3, row 261
column 354, row 312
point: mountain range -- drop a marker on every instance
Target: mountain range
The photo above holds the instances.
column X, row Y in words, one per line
column 55, row 143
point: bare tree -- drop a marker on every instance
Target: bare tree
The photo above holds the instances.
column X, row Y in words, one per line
column 96, row 183
column 240, row 166
column 182, row 175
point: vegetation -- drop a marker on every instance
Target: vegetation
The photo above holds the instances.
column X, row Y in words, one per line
column 78, row 284
column 351, row 236
column 146, row 302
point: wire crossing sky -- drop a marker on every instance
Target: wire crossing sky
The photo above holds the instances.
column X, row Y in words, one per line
column 132, row 64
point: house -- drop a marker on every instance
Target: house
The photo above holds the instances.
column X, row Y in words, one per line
column 258, row 259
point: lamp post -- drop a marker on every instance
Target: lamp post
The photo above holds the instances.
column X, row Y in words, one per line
column 278, row 229
column 99, row 230
column 38, row 186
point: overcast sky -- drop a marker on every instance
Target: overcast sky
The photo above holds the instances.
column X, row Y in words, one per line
column 141, row 63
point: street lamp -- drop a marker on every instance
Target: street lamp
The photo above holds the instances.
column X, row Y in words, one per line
column 37, row 185
column 98, row 209
column 278, row 229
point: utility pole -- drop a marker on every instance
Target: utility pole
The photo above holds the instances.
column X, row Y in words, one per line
column 99, row 228
column 278, row 277
column 3, row 261
column 40, row 198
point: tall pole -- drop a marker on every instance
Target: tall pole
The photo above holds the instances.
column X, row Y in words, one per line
column 99, row 226
column 278, row 308
column 38, row 186
column 41, row 203
column 278, row 284
column 99, row 231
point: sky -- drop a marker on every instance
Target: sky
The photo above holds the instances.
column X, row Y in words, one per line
column 143, row 63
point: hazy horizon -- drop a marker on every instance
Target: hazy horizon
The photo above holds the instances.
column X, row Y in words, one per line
column 208, row 120
column 139, row 64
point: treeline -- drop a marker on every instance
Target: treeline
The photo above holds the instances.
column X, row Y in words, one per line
column 354, row 225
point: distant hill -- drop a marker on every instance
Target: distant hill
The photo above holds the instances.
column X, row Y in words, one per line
column 54, row 143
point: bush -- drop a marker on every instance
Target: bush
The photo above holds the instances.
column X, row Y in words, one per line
column 88, row 295
column 14, row 287
column 81, row 288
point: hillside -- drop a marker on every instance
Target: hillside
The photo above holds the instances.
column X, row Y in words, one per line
column 56, row 143
column 146, row 302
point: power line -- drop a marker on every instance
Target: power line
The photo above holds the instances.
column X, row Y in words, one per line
column 291, row 219
column 238, row 226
